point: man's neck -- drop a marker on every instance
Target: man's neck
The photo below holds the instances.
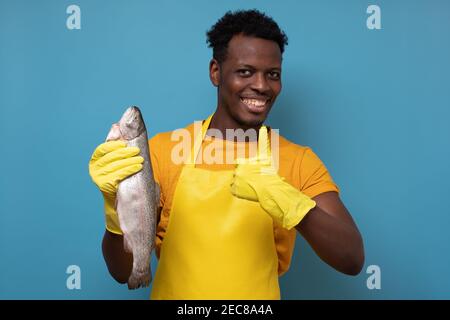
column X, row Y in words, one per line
column 222, row 121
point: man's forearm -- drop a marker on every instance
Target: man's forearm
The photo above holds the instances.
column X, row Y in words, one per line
column 336, row 242
column 118, row 261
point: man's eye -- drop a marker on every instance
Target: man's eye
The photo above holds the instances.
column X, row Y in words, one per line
column 244, row 72
column 274, row 75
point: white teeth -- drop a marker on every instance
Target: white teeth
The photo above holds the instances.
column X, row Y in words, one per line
column 254, row 102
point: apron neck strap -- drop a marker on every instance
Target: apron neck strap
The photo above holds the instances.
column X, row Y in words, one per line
column 198, row 139
column 264, row 153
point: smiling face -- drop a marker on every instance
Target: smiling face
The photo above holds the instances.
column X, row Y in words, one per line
column 248, row 81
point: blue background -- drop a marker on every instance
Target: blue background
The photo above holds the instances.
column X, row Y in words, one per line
column 373, row 104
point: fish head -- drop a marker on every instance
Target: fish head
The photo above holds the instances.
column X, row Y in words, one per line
column 131, row 124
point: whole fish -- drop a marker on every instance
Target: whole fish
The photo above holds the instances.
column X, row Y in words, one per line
column 137, row 199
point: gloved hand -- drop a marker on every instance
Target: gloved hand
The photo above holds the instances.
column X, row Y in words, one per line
column 255, row 179
column 111, row 163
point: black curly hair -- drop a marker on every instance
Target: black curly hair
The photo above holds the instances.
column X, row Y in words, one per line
column 246, row 22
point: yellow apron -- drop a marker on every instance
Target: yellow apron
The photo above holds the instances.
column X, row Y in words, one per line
column 216, row 246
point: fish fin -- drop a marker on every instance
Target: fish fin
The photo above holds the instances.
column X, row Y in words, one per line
column 114, row 133
column 126, row 244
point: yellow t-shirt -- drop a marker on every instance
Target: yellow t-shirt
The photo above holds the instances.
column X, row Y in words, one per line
column 299, row 165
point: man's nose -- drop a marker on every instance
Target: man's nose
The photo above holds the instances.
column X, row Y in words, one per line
column 260, row 83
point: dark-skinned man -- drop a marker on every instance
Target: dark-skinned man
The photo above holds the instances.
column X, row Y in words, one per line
column 227, row 230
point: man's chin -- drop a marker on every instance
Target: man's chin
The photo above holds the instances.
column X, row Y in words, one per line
column 249, row 120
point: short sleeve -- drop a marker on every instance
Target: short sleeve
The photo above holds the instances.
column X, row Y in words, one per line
column 314, row 176
column 155, row 158
column 157, row 165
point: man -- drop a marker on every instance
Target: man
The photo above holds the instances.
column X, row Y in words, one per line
column 227, row 231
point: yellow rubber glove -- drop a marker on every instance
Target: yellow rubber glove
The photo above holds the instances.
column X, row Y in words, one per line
column 110, row 163
column 256, row 180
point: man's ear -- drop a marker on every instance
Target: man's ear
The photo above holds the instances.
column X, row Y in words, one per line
column 214, row 72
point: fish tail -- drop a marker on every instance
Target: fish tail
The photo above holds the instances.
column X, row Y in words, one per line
column 139, row 278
